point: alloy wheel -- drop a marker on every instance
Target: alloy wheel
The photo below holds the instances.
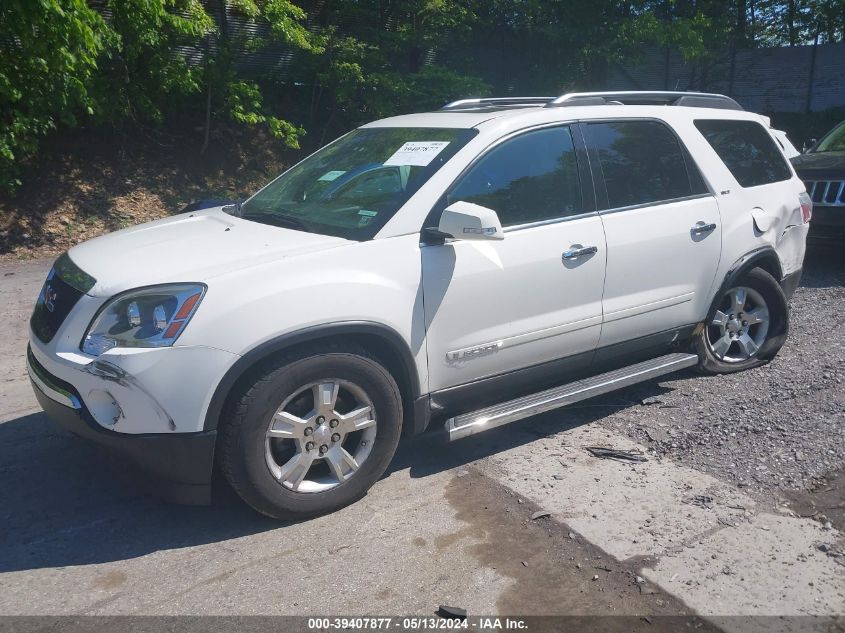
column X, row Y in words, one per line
column 740, row 325
column 320, row 436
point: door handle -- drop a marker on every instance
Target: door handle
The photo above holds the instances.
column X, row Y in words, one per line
column 576, row 250
column 701, row 227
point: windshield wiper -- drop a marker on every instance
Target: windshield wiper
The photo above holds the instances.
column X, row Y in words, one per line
column 287, row 221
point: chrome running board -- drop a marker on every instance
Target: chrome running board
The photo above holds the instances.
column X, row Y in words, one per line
column 477, row 421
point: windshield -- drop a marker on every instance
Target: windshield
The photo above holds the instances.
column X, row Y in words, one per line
column 352, row 187
column 834, row 141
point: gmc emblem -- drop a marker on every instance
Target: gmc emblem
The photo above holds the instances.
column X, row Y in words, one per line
column 50, row 297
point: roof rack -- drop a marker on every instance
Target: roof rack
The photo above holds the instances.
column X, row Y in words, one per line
column 631, row 97
column 497, row 102
column 636, row 97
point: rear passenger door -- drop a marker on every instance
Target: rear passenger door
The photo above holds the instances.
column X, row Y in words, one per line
column 662, row 228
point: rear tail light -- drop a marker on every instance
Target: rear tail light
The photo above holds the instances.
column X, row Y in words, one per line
column 806, row 207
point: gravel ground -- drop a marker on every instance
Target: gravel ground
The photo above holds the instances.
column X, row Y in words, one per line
column 776, row 428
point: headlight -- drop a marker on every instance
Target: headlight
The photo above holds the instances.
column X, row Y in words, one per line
column 147, row 317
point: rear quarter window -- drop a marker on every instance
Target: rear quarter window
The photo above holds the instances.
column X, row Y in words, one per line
column 747, row 150
column 642, row 162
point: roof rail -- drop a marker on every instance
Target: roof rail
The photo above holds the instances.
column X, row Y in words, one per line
column 497, row 102
column 636, row 97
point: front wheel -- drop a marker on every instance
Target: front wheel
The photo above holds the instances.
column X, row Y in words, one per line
column 746, row 327
column 311, row 433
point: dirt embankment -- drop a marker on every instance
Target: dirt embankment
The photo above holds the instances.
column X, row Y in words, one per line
column 88, row 183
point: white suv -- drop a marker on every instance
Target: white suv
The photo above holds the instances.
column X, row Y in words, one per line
column 457, row 270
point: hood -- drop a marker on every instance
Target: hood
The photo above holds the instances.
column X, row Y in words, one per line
column 820, row 164
column 188, row 247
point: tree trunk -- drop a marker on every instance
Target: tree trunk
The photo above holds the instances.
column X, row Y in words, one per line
column 753, row 22
column 207, row 119
column 830, row 22
column 842, row 18
column 213, row 66
column 790, row 22
column 741, row 22
column 809, row 104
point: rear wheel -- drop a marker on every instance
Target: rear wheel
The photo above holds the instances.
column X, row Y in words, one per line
column 747, row 326
column 311, row 434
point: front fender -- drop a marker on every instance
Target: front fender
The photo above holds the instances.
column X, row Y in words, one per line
column 395, row 347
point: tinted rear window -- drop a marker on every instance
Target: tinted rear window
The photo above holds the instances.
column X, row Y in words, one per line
column 747, row 150
column 643, row 162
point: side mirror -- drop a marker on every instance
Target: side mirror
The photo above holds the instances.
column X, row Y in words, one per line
column 808, row 145
column 468, row 221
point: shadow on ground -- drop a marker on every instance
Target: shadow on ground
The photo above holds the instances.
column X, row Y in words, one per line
column 65, row 502
column 433, row 453
column 824, row 266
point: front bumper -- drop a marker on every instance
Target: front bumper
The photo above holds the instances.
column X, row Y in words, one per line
column 177, row 465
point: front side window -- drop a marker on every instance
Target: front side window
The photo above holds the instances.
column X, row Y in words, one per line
column 529, row 178
column 642, row 162
column 351, row 188
column 747, row 150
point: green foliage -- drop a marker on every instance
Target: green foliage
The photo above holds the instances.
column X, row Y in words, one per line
column 140, row 75
column 285, row 20
column 241, row 100
column 245, row 105
column 795, row 22
column 381, row 62
column 45, row 70
column 138, row 63
column 684, row 34
column 144, row 76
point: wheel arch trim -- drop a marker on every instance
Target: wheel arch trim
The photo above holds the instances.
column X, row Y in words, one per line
column 388, row 335
column 765, row 258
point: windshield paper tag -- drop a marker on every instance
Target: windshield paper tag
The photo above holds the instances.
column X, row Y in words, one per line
column 330, row 175
column 419, row 153
column 368, row 213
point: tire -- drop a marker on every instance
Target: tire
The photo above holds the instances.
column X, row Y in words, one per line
column 274, row 432
column 726, row 345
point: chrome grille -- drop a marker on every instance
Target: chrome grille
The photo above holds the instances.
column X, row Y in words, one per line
column 828, row 193
column 55, row 302
column 65, row 285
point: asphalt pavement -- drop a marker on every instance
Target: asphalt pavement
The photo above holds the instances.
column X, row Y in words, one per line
column 448, row 524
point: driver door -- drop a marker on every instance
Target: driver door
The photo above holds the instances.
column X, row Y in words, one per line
column 507, row 308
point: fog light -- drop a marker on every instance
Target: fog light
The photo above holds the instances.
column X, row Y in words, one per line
column 104, row 407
